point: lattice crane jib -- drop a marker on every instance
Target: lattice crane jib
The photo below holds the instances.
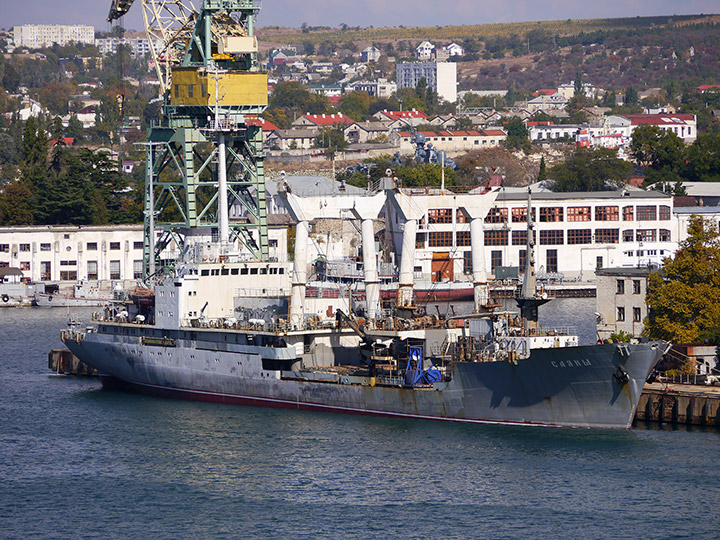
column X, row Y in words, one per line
column 205, row 156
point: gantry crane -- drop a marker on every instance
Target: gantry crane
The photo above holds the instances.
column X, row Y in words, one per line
column 207, row 63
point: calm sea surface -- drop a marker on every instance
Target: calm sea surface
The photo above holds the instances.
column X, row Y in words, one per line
column 80, row 462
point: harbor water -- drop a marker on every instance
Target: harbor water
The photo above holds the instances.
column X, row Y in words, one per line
column 81, row 462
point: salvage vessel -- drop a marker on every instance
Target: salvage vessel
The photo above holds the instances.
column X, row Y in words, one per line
column 210, row 337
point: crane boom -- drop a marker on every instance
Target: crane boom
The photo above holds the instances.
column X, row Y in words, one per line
column 118, row 9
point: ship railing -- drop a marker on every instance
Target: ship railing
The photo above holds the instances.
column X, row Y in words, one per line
column 557, row 330
column 262, row 293
column 389, row 380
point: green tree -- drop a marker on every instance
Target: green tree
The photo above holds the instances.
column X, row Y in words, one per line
column 464, row 123
column 16, row 205
column 590, row 170
column 684, row 299
column 356, row 105
column 703, row 159
column 518, row 136
column 331, row 138
column 34, row 147
column 631, row 96
column 657, row 148
column 542, row 172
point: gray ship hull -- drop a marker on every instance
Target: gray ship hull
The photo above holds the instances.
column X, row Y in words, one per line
column 593, row 386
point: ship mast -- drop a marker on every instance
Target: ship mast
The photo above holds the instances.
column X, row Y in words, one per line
column 529, row 299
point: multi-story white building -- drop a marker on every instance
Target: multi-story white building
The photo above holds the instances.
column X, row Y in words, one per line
column 35, row 36
column 72, row 253
column 576, row 233
column 440, row 76
column 381, row 88
column 139, row 45
column 451, row 141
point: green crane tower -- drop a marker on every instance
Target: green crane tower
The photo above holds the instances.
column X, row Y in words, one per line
column 206, row 153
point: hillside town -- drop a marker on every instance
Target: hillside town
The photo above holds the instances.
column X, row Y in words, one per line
column 623, row 160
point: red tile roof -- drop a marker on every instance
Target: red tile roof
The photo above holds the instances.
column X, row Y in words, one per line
column 545, row 92
column 329, row 119
column 397, row 115
column 255, row 121
column 659, row 119
column 706, row 87
column 67, row 141
column 483, row 133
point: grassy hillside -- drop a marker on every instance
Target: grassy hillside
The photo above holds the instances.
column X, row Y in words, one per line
column 567, row 27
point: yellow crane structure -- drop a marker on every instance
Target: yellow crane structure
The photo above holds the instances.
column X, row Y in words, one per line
column 205, row 154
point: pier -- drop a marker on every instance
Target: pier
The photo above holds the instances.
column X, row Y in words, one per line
column 64, row 362
column 679, row 404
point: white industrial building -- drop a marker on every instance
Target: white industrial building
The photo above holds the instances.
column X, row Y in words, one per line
column 35, row 36
column 440, row 76
column 576, row 234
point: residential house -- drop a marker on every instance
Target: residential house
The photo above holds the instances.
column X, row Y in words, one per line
column 327, row 90
column 424, row 51
column 370, row 54
column 267, row 127
column 291, row 139
column 683, row 125
column 454, row 50
column 381, row 88
column 401, row 119
column 319, row 121
column 446, row 121
column 362, row 132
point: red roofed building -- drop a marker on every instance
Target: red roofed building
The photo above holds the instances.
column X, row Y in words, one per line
column 683, row 125
column 707, row 88
column 451, row 141
column 318, row 121
column 545, row 92
column 400, row 119
column 65, row 141
column 267, row 127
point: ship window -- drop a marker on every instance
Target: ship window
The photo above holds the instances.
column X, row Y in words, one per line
column 114, row 245
column 282, row 270
column 215, row 272
column 234, row 271
column 243, row 271
column 253, row 271
column 47, row 247
column 263, row 271
column 205, row 273
column 225, row 271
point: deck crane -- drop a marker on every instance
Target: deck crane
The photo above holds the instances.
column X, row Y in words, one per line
column 205, row 154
